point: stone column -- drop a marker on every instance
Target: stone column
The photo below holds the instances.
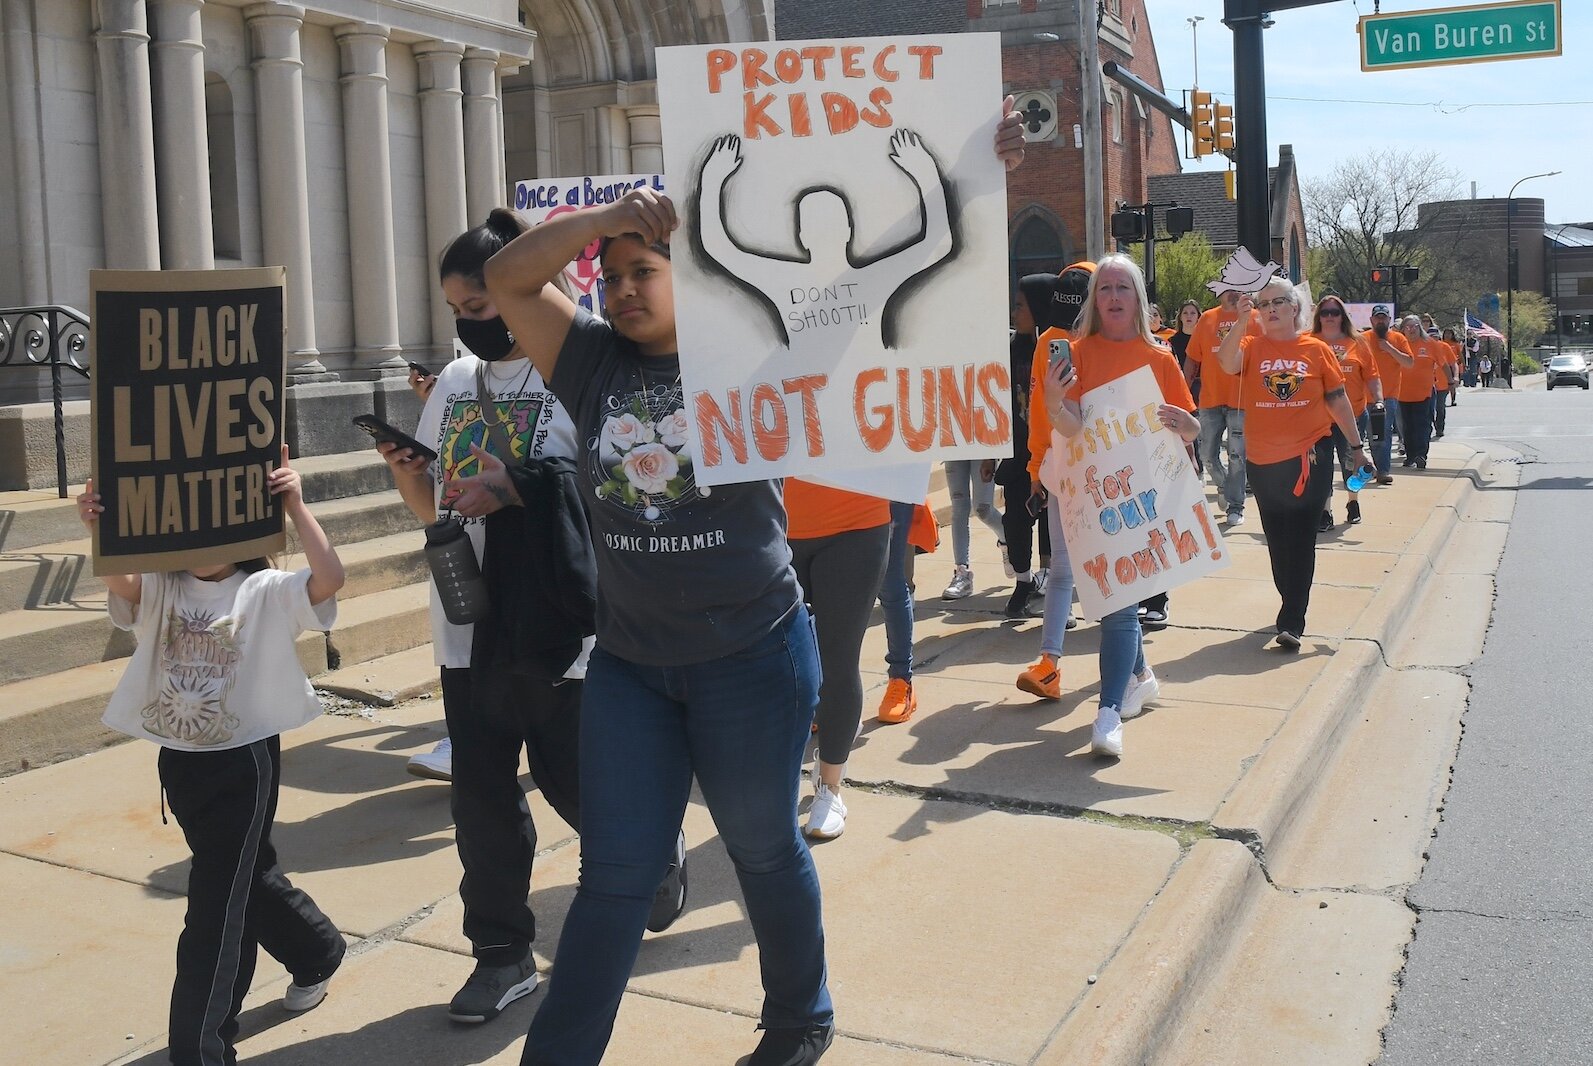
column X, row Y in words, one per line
column 367, row 163
column 485, row 187
column 442, row 134
column 182, row 149
column 284, row 182
column 647, row 139
column 127, row 137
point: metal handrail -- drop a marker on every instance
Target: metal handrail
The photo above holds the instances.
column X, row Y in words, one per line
column 55, row 336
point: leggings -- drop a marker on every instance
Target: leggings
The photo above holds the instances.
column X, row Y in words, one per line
column 1017, row 526
column 840, row 575
column 1289, row 522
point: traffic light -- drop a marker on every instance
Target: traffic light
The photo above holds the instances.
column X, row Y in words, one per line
column 1128, row 224
column 1222, row 127
column 1381, row 276
column 1409, row 274
column 1204, row 114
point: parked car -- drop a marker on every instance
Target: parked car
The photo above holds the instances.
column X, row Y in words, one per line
column 1570, row 369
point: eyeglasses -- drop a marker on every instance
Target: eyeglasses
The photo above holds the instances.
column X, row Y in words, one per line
column 1280, row 301
column 1329, row 312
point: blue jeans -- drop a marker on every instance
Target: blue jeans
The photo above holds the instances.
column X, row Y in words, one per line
column 1383, row 450
column 896, row 599
column 1363, row 425
column 1416, row 427
column 739, row 723
column 1122, row 653
column 1058, row 585
column 1229, row 476
column 971, row 496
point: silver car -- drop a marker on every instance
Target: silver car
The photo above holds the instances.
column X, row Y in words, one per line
column 1570, row 369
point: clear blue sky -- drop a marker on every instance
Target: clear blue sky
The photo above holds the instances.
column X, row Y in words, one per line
column 1314, row 72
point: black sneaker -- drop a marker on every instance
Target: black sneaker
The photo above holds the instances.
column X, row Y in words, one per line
column 1353, row 512
column 1325, row 523
column 1023, row 594
column 670, row 899
column 1287, row 639
column 490, row 989
column 792, row 1047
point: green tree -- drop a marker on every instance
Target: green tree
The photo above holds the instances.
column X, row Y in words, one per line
column 1530, row 319
column 1182, row 269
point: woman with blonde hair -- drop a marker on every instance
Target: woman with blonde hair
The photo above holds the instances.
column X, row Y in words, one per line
column 1113, row 339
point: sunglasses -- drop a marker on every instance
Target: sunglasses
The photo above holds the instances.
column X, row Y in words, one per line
column 1329, row 312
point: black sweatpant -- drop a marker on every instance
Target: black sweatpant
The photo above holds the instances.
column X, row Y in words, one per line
column 491, row 717
column 238, row 897
column 1017, row 528
column 1289, row 522
column 840, row 577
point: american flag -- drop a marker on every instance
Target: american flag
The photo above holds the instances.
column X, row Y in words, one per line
column 1481, row 328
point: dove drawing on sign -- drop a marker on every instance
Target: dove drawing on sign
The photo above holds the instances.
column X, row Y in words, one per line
column 1243, row 274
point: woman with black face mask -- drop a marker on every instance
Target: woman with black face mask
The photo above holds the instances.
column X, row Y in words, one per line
column 484, row 413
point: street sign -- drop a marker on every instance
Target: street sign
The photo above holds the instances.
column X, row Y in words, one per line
column 1441, row 36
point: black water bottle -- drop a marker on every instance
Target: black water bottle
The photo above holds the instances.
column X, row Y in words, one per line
column 452, row 559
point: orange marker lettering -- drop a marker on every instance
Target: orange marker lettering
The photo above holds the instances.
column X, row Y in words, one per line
column 756, row 117
column 926, row 54
column 721, row 61
column 875, row 432
column 881, row 70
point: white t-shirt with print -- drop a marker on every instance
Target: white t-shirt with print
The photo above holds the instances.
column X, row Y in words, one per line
column 215, row 665
column 535, row 423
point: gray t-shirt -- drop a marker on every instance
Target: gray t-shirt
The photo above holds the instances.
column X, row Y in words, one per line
column 684, row 574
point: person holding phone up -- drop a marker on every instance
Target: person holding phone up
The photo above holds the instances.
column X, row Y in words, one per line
column 1113, row 340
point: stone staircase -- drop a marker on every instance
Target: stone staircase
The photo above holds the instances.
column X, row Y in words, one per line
column 60, row 657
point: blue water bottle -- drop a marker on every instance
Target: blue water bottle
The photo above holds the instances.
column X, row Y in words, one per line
column 1360, row 479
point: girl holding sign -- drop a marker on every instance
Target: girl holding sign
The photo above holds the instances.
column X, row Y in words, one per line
column 706, row 664
column 1113, row 340
column 1292, row 391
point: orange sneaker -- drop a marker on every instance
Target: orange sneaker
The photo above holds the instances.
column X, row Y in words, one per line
column 899, row 702
column 1043, row 679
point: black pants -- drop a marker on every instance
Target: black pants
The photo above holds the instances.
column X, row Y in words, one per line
column 840, row 577
column 1416, row 426
column 491, row 717
column 1439, row 404
column 1289, row 522
column 239, row 900
column 1017, row 528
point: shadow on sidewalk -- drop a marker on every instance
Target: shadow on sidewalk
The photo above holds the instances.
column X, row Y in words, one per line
column 1242, row 654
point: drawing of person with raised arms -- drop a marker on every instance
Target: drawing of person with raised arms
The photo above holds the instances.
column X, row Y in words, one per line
column 825, row 295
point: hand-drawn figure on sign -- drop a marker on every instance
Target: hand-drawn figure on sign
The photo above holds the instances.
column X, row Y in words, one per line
column 1241, row 273
column 826, row 295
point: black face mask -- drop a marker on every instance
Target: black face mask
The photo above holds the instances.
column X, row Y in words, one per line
column 487, row 338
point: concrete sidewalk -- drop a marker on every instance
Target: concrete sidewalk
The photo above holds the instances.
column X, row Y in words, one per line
column 1000, row 895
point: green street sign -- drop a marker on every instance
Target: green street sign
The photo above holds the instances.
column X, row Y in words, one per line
column 1440, row 36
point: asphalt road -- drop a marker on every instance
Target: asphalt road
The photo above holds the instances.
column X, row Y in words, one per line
column 1501, row 970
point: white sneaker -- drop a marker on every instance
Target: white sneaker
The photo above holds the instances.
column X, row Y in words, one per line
column 1106, row 738
column 436, row 764
column 827, row 816
column 303, row 997
column 1235, row 519
column 960, row 586
column 1006, row 562
column 1140, row 693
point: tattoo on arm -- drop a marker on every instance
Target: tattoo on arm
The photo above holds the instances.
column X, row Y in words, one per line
column 1335, row 394
column 502, row 494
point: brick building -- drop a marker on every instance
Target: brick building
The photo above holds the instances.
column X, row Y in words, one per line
column 1205, row 191
column 1045, row 197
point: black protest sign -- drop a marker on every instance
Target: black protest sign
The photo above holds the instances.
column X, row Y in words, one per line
column 188, row 373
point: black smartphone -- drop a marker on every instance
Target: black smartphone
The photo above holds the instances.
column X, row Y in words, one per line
column 381, row 432
column 1036, row 504
column 421, row 370
column 1061, row 353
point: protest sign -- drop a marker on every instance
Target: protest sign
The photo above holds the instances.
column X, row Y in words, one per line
column 186, row 416
column 1361, row 314
column 840, row 270
column 538, row 200
column 1133, row 512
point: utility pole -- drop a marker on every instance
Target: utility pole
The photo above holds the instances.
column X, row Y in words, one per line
column 1094, row 163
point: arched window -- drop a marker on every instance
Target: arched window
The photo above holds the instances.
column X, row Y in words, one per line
column 1294, row 255
column 1037, row 249
column 221, row 135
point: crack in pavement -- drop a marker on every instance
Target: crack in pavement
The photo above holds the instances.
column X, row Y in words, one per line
column 1566, row 916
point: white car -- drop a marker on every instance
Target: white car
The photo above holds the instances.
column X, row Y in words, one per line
column 1569, row 369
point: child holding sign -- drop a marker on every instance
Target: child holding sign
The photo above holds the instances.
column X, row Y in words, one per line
column 214, row 682
column 1114, row 339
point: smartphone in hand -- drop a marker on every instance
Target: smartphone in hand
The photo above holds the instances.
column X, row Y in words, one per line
column 1036, row 504
column 1061, row 354
column 382, row 433
column 421, row 370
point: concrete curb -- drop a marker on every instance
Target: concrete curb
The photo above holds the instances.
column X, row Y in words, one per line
column 1195, row 920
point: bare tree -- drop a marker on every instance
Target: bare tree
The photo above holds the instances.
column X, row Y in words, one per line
column 1369, row 213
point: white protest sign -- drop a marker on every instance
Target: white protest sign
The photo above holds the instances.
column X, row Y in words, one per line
column 541, row 199
column 1361, row 314
column 840, row 270
column 1133, row 511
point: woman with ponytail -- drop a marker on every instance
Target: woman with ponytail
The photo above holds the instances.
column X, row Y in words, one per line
column 485, row 412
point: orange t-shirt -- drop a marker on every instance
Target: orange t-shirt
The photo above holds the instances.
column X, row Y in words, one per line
column 1416, row 383
column 821, row 511
column 1217, row 386
column 1100, row 361
column 1451, row 364
column 1358, row 366
column 1388, row 368
column 1039, row 417
column 1281, row 390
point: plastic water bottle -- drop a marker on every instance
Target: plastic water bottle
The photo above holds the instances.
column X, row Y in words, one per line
column 1360, row 479
column 452, row 560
